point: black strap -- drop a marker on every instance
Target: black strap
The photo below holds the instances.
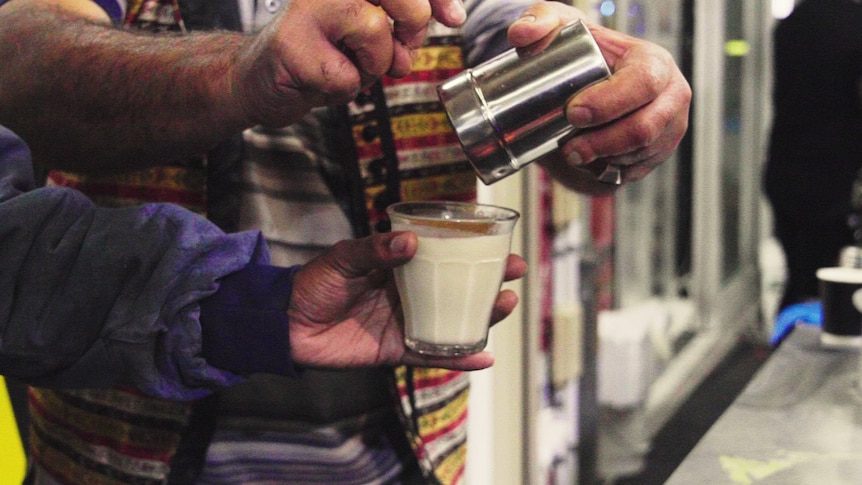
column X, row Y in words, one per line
column 190, row 457
column 387, row 143
column 346, row 157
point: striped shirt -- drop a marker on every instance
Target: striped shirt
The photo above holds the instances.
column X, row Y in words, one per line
column 400, row 425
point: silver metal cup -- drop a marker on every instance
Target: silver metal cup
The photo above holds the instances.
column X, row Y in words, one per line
column 509, row 111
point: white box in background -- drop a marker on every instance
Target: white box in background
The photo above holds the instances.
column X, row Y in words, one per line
column 628, row 357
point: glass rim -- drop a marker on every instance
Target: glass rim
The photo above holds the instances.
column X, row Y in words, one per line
column 501, row 214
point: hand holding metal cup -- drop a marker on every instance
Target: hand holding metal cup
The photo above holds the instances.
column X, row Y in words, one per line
column 510, row 111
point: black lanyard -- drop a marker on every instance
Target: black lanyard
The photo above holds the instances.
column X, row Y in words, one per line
column 347, row 158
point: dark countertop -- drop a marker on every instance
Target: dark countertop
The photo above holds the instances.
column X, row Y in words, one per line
column 799, row 421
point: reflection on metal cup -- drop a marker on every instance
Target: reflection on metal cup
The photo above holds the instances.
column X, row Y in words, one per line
column 509, row 111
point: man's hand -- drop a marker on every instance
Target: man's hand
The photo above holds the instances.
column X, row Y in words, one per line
column 323, row 52
column 633, row 120
column 111, row 99
column 345, row 312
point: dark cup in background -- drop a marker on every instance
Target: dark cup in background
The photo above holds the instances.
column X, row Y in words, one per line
column 841, row 296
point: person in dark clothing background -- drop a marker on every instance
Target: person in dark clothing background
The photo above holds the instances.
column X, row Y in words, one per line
column 815, row 149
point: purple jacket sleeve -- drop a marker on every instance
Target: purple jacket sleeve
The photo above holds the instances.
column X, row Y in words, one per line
column 244, row 323
column 94, row 297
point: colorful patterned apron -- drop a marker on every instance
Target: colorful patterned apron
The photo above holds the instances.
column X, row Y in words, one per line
column 121, row 436
column 407, row 150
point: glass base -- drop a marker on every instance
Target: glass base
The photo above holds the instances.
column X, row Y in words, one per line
column 444, row 350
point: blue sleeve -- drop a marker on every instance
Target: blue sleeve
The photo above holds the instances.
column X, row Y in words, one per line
column 114, row 8
column 245, row 325
column 95, row 297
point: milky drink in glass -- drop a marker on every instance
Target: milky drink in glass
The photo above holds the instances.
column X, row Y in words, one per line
column 449, row 288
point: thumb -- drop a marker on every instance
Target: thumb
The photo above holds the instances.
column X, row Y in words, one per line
column 380, row 251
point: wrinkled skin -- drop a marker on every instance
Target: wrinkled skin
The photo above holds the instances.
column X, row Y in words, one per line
column 92, row 111
column 351, row 42
column 634, row 120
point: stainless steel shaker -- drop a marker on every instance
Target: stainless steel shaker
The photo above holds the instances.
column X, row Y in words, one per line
column 509, row 111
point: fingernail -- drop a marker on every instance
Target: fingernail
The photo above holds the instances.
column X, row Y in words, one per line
column 527, row 18
column 398, row 244
column 574, row 158
column 580, row 116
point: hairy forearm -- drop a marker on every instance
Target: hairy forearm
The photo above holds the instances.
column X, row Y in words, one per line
column 93, row 97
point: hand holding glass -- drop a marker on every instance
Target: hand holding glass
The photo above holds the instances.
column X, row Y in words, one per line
column 449, row 288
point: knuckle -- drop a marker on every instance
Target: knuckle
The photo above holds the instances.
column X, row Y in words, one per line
column 353, row 8
column 340, row 246
column 644, row 133
column 418, row 13
column 375, row 20
column 655, row 79
column 685, row 90
column 656, row 69
column 365, row 16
